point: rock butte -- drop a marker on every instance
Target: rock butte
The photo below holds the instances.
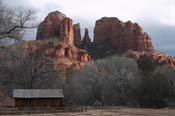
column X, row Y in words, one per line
column 111, row 33
column 56, row 25
column 111, row 36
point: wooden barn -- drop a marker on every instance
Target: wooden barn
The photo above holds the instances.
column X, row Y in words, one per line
column 38, row 98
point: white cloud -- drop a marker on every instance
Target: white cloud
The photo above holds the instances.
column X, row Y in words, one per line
column 159, row 10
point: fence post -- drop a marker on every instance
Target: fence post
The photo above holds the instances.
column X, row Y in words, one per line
column 86, row 108
column 81, row 108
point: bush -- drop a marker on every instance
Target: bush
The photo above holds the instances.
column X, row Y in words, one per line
column 145, row 64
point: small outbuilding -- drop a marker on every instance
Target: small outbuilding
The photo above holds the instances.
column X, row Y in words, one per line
column 38, row 98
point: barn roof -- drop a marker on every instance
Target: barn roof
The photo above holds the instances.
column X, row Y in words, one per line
column 38, row 93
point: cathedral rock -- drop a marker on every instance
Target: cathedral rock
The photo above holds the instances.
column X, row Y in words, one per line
column 111, row 36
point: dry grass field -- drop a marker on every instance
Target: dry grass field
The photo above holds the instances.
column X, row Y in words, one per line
column 115, row 112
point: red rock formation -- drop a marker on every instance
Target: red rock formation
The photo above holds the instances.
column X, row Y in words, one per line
column 56, row 25
column 86, row 38
column 113, row 34
column 156, row 56
column 77, row 34
column 66, row 31
column 83, row 56
column 62, row 56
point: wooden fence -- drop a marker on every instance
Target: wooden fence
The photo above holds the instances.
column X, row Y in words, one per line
column 13, row 111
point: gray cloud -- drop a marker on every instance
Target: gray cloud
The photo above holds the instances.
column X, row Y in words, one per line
column 17, row 3
column 163, row 36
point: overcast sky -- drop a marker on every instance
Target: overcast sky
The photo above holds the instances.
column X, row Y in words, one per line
column 157, row 17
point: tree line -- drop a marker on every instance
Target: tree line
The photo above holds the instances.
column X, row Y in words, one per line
column 120, row 80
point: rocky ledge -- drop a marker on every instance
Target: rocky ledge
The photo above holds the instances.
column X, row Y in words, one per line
column 158, row 57
column 63, row 56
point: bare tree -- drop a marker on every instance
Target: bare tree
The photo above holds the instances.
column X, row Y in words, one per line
column 106, row 80
column 13, row 22
column 25, row 68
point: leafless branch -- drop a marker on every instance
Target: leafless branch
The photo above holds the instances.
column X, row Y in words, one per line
column 13, row 22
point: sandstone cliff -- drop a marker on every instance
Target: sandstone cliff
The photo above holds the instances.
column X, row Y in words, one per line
column 113, row 34
column 62, row 56
column 56, row 26
column 158, row 57
column 55, row 36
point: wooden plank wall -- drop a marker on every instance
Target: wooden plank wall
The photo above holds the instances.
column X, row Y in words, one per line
column 39, row 102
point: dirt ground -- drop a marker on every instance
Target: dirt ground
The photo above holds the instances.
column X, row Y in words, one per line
column 115, row 112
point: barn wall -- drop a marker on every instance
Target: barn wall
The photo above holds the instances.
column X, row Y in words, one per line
column 38, row 102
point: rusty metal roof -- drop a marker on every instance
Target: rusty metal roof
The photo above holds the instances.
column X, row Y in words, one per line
column 38, row 93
